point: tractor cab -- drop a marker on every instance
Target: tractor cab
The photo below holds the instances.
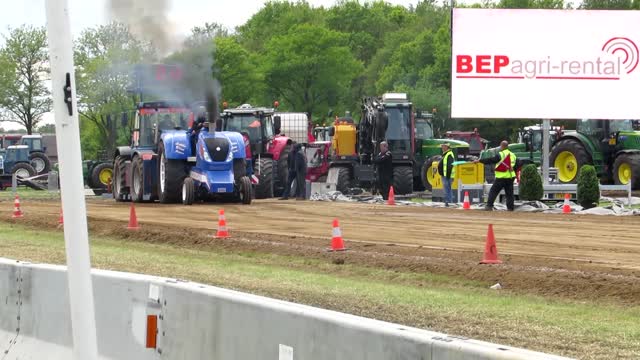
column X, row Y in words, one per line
column 34, row 142
column 531, row 137
column 257, row 123
column 152, row 118
column 321, row 133
column 399, row 132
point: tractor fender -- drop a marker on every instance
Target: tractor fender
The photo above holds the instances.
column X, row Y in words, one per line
column 278, row 144
column 177, row 144
column 628, row 151
column 123, row 151
column 585, row 141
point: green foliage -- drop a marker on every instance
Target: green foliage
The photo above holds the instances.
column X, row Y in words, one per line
column 310, row 66
column 104, row 57
column 23, row 72
column 588, row 187
column 530, row 184
column 237, row 71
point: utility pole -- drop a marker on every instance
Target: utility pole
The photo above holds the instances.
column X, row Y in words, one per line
column 546, row 128
column 76, row 235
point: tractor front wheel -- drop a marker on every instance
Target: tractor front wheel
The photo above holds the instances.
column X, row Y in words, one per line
column 171, row 174
column 188, row 191
column 245, row 190
column 428, row 172
column 137, row 179
column 23, row 170
column 344, row 179
column 626, row 168
column 568, row 156
column 40, row 161
column 101, row 175
column 119, row 181
column 264, row 172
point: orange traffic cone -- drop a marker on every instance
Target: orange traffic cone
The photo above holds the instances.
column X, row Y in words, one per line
column 566, row 208
column 337, row 244
column 391, row 200
column 465, row 204
column 17, row 213
column 490, row 249
column 133, row 219
column 61, row 220
column 222, row 226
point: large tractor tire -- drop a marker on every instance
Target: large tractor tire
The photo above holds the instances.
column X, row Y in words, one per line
column 626, row 168
column 101, row 175
column 283, row 169
column 23, row 170
column 427, row 174
column 402, row 180
column 120, row 190
column 344, row 179
column 137, row 179
column 568, row 156
column 188, row 191
column 245, row 190
column 171, row 174
column 40, row 162
column 264, row 172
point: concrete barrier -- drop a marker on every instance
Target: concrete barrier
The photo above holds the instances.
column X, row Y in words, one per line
column 146, row 317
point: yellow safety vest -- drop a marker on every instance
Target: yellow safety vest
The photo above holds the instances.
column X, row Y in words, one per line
column 445, row 162
column 505, row 168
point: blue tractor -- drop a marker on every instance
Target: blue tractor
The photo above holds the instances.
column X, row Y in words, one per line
column 170, row 161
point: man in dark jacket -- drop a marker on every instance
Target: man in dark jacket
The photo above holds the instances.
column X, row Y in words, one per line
column 301, row 173
column 291, row 167
column 384, row 162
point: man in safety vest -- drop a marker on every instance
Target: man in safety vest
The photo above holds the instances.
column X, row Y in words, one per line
column 445, row 168
column 505, row 172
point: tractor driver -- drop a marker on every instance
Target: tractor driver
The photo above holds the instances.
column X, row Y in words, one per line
column 196, row 126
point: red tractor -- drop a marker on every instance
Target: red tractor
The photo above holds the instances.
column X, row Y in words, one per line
column 268, row 149
column 473, row 138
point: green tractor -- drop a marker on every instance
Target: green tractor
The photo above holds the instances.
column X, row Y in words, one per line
column 528, row 148
column 611, row 146
column 428, row 150
column 98, row 174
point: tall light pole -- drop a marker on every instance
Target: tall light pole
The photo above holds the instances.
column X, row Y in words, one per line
column 76, row 235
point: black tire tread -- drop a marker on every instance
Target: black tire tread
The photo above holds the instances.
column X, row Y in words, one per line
column 264, row 189
column 44, row 157
column 402, row 180
column 344, row 179
column 95, row 176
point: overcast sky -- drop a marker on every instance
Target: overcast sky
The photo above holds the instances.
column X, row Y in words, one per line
column 185, row 13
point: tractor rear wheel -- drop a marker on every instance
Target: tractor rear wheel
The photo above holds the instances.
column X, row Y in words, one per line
column 568, row 156
column 264, row 172
column 23, row 170
column 171, row 174
column 402, row 180
column 427, row 174
column 344, row 179
column 245, row 190
column 626, row 168
column 283, row 170
column 40, row 162
column 188, row 191
column 119, row 181
column 101, row 175
column 137, row 179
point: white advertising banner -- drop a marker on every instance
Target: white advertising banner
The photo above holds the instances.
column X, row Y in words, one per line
column 545, row 64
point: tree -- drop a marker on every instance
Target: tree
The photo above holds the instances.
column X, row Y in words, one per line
column 47, row 129
column 23, row 72
column 236, row 70
column 310, row 66
column 104, row 58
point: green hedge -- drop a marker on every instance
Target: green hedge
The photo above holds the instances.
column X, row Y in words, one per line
column 530, row 188
column 588, row 187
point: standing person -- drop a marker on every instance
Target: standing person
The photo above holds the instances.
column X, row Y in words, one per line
column 384, row 162
column 445, row 168
column 291, row 165
column 301, row 173
column 505, row 171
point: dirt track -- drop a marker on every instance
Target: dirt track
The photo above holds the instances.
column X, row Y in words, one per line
column 576, row 256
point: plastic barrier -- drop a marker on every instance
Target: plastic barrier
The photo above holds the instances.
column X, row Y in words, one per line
column 146, row 317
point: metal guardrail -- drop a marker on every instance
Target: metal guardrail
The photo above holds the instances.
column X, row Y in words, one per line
column 549, row 189
column 152, row 318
